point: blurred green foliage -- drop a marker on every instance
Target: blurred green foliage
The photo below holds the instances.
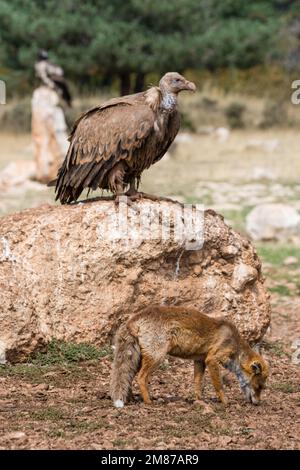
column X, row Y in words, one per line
column 98, row 40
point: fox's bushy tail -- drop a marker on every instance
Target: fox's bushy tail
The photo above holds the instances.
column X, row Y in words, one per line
column 126, row 363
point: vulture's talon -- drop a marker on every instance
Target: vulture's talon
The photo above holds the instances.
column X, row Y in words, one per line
column 125, row 200
column 134, row 197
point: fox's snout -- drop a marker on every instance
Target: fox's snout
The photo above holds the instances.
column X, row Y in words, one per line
column 252, row 397
column 252, row 393
column 255, row 400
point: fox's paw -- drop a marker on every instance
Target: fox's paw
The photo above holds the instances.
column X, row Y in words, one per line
column 147, row 402
column 224, row 401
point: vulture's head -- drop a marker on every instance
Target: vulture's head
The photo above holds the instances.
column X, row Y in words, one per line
column 173, row 83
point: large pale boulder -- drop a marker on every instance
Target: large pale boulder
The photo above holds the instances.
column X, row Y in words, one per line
column 273, row 222
column 76, row 272
column 49, row 133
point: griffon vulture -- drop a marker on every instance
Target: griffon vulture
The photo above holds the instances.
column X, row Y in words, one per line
column 112, row 144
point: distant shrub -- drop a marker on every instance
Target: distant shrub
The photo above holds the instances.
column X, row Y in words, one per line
column 209, row 103
column 234, row 113
column 274, row 114
column 187, row 123
column 16, row 117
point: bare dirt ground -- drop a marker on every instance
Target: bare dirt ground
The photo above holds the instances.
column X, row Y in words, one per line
column 66, row 405
column 57, row 403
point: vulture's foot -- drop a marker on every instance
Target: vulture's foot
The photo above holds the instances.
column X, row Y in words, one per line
column 129, row 197
column 133, row 194
column 124, row 198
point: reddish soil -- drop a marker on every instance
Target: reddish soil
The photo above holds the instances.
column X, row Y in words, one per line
column 68, row 407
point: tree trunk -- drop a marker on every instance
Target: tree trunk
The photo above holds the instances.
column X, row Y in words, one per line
column 139, row 82
column 125, row 83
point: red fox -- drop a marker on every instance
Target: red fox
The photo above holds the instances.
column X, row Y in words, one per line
column 147, row 337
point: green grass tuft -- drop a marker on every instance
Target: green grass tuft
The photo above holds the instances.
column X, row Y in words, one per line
column 275, row 348
column 59, row 352
column 24, row 371
column 285, row 387
column 237, row 218
column 281, row 290
column 119, row 443
column 48, row 414
column 276, row 254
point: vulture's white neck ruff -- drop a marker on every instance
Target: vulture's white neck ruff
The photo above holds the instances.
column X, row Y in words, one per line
column 169, row 102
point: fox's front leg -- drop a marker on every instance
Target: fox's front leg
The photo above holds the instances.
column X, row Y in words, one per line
column 214, row 370
column 199, row 369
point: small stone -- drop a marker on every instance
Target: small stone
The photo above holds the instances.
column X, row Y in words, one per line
column 160, row 400
column 196, row 257
column 96, row 446
column 229, row 251
column 41, row 387
column 2, row 352
column 243, row 275
column 229, row 296
column 160, row 444
column 16, row 435
column 197, row 270
column 225, row 440
column 290, row 260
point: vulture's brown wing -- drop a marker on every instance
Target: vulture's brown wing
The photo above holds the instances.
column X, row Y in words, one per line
column 173, row 127
column 100, row 138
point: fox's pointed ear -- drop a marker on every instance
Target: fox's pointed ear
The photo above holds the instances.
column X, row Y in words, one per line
column 243, row 358
column 256, row 367
column 257, row 348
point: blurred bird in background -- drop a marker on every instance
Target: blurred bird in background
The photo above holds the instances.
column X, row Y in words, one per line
column 52, row 76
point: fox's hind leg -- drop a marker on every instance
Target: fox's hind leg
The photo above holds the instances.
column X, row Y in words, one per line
column 199, row 369
column 149, row 364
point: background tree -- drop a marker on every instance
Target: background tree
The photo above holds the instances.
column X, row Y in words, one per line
column 98, row 40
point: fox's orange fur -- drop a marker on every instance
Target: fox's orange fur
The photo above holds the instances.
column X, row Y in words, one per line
column 146, row 338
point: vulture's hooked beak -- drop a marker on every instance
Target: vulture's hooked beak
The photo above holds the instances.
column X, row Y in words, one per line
column 190, row 86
